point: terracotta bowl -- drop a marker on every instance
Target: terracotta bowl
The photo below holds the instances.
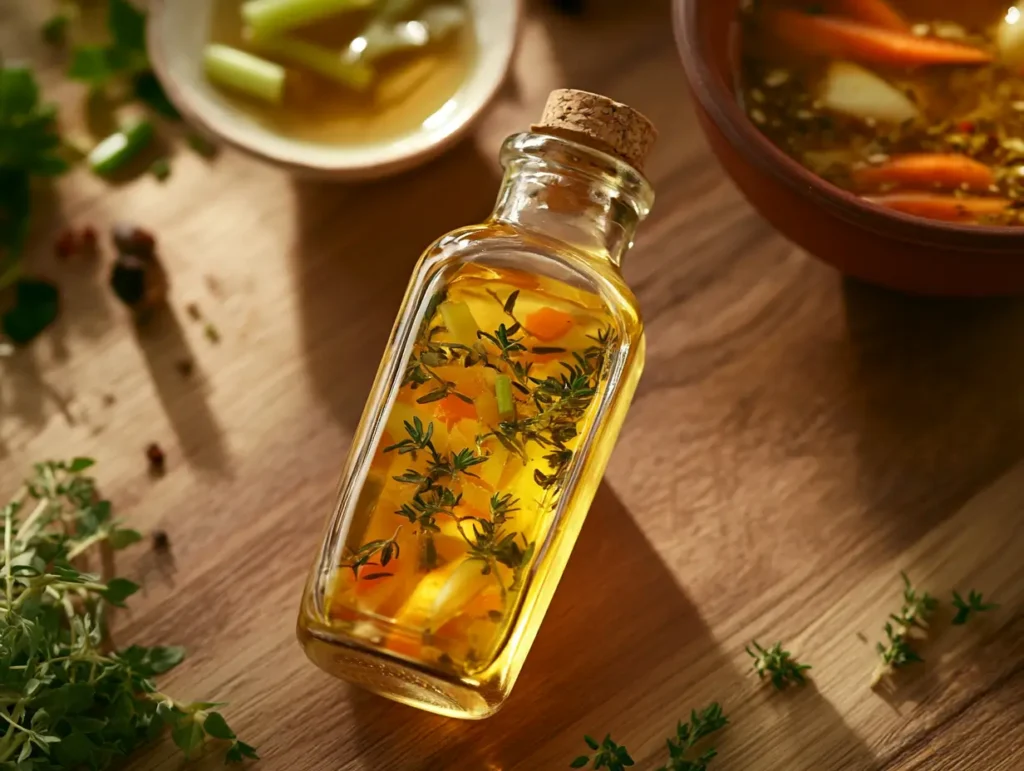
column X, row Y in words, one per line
column 861, row 240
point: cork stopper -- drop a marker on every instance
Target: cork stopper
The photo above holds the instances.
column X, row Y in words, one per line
column 598, row 122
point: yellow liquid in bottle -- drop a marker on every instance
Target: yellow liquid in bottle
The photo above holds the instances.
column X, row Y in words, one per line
column 470, row 509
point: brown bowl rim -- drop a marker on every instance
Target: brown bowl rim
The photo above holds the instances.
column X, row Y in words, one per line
column 366, row 172
column 724, row 110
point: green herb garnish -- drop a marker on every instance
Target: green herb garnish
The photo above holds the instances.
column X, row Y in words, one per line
column 898, row 650
column 122, row 58
column 29, row 147
column 778, row 664
column 608, row 755
column 125, row 53
column 69, row 698
column 36, row 306
column 681, row 748
column 972, row 605
column 701, row 725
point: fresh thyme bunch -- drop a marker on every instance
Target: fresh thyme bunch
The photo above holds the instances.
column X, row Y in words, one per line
column 68, row 699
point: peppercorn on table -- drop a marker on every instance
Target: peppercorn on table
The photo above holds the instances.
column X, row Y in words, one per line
column 796, row 442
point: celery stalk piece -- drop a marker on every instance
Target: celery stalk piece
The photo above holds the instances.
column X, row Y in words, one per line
column 459, row 321
column 382, row 38
column 331, row 64
column 241, row 71
column 268, row 18
column 503, row 394
column 397, row 9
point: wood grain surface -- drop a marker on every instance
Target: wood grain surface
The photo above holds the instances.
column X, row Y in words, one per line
column 796, row 441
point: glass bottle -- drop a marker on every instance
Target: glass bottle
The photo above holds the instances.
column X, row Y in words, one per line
column 502, row 390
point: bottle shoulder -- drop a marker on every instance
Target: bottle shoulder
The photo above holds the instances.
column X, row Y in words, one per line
column 505, row 246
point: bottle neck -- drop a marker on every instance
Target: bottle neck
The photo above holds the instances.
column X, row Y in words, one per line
column 572, row 193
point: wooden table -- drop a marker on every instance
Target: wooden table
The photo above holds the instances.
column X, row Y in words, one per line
column 796, row 441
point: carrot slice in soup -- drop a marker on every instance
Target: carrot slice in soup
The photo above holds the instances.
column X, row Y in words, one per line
column 549, row 324
column 451, row 409
column 877, row 13
column 948, row 208
column 832, row 37
column 923, row 170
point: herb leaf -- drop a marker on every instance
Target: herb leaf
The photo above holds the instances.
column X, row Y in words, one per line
column 967, row 608
column 778, row 664
column 36, row 306
column 702, row 724
column 898, row 651
column 609, row 755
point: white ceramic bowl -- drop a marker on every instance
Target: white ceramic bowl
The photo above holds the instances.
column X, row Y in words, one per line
column 179, row 29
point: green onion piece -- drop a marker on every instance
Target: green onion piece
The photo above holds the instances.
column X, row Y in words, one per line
column 458, row 319
column 112, row 153
column 503, row 392
column 241, row 71
column 319, row 59
column 268, row 18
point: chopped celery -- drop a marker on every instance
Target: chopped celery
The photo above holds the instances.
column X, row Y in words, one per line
column 503, row 393
column 319, row 59
column 382, row 38
column 241, row 71
column 268, row 18
column 459, row 321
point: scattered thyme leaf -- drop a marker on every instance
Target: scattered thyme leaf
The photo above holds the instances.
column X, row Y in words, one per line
column 777, row 664
column 681, row 748
column 965, row 609
column 608, row 754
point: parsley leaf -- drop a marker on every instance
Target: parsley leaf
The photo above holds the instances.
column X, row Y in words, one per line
column 29, row 146
column 125, row 54
column 36, row 306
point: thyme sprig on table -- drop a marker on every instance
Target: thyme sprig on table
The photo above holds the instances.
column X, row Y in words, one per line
column 898, row 650
column 69, row 698
column 702, row 724
column 607, row 754
column 681, row 748
column 778, row 665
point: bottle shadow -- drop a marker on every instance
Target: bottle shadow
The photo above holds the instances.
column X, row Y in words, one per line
column 803, row 730
column 939, row 384
column 617, row 615
column 164, row 346
column 356, row 249
column 623, row 32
